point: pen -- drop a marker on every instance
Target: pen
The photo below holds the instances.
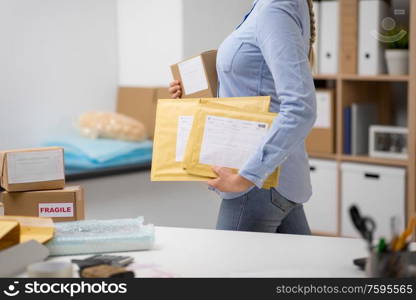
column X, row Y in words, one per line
column 382, row 246
column 402, row 239
column 393, row 231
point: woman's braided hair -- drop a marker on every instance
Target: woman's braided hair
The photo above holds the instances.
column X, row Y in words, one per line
column 313, row 32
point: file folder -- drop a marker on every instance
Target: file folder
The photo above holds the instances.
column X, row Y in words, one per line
column 371, row 59
column 329, row 41
column 317, row 12
column 363, row 115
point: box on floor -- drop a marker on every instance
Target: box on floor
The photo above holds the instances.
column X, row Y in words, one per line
column 140, row 103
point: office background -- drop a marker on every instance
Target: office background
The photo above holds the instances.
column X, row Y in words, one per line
column 63, row 57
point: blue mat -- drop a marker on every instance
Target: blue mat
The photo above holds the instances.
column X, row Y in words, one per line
column 83, row 154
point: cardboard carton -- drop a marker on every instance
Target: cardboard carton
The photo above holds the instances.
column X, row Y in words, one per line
column 198, row 75
column 60, row 205
column 140, row 103
column 321, row 139
column 32, row 169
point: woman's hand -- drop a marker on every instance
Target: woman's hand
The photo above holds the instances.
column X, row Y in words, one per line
column 229, row 182
column 175, row 89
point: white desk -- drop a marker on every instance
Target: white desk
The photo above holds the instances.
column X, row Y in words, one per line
column 209, row 253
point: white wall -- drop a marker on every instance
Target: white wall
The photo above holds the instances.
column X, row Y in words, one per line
column 58, row 58
column 154, row 34
column 150, row 39
column 207, row 23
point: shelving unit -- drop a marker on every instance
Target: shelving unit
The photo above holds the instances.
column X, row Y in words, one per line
column 351, row 87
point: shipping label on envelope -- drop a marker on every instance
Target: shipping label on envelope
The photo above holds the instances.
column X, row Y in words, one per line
column 174, row 119
column 227, row 137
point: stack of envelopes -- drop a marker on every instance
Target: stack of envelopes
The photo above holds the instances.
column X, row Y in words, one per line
column 192, row 135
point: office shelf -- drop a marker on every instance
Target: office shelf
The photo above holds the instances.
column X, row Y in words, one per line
column 374, row 160
column 325, row 76
column 379, row 78
column 331, row 156
column 351, row 87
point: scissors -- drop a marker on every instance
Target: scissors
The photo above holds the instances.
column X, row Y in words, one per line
column 365, row 225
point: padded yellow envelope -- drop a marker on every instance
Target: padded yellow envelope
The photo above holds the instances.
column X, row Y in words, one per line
column 31, row 228
column 9, row 234
column 174, row 118
column 227, row 137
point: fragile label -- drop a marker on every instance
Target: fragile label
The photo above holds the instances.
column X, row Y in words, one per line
column 36, row 166
column 56, row 210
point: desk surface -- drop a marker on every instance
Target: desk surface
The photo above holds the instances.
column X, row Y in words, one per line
column 183, row 252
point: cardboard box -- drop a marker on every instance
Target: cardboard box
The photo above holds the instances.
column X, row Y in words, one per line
column 140, row 103
column 32, row 169
column 60, row 205
column 322, row 137
column 198, row 75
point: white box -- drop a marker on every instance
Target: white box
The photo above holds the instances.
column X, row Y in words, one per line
column 379, row 192
column 322, row 209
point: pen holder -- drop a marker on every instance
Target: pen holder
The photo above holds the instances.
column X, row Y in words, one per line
column 390, row 265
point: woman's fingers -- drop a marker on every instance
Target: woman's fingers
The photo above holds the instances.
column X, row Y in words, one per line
column 175, row 89
column 175, row 82
column 177, row 95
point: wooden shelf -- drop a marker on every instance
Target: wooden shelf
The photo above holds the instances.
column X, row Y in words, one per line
column 374, row 160
column 332, row 156
column 325, row 76
column 380, row 78
column 356, row 77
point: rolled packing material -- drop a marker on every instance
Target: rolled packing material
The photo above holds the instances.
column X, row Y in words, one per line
column 112, row 126
column 85, row 237
column 227, row 137
column 174, row 120
column 32, row 169
column 60, row 205
column 50, row 269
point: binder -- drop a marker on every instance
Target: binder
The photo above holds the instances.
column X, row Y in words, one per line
column 329, row 42
column 363, row 115
column 317, row 12
column 347, row 130
column 370, row 50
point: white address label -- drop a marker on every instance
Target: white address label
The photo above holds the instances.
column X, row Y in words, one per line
column 36, row 166
column 56, row 210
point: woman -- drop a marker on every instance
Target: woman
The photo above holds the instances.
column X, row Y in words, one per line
column 269, row 54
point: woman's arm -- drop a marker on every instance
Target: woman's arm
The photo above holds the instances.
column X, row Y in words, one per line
column 280, row 38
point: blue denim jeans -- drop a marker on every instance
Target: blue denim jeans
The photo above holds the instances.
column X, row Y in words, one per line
column 263, row 210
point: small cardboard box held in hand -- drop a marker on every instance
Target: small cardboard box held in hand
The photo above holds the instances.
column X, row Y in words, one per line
column 140, row 103
column 60, row 205
column 32, row 169
column 198, row 75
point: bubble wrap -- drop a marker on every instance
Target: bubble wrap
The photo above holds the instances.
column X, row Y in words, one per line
column 89, row 237
column 112, row 126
